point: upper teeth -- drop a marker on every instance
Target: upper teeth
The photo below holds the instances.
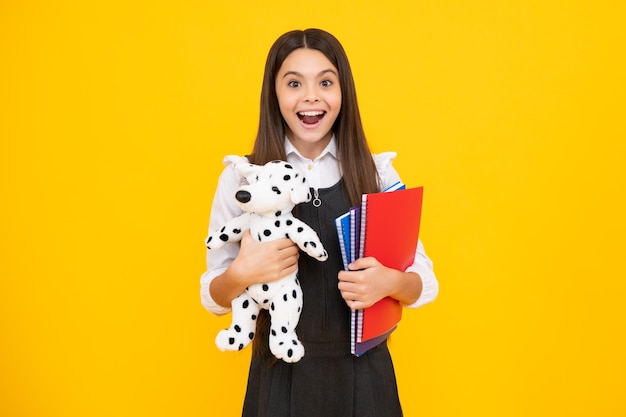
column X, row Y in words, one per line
column 311, row 113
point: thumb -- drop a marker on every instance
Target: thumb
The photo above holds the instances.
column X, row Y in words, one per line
column 246, row 238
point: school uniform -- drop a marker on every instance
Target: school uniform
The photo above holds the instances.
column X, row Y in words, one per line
column 328, row 380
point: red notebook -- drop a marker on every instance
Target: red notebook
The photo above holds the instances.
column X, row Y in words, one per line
column 390, row 223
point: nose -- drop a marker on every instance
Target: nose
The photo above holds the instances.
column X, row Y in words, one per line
column 311, row 95
column 243, row 196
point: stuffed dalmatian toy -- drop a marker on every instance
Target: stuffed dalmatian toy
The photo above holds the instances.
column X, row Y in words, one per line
column 272, row 192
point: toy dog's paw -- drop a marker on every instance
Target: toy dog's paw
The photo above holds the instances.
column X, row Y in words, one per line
column 316, row 250
column 289, row 349
column 230, row 339
column 214, row 242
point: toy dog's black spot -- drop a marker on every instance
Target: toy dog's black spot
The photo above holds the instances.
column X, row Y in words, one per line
column 276, row 190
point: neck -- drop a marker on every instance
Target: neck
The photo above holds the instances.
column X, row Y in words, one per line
column 311, row 150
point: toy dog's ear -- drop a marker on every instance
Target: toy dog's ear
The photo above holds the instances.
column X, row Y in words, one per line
column 248, row 170
column 300, row 193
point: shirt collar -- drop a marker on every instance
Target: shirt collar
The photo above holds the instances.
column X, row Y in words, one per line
column 331, row 149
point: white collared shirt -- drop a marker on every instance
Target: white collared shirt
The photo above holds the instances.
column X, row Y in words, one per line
column 322, row 172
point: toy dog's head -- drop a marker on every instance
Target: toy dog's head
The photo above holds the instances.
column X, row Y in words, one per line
column 273, row 187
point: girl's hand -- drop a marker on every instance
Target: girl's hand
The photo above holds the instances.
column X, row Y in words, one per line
column 365, row 283
column 369, row 281
column 264, row 261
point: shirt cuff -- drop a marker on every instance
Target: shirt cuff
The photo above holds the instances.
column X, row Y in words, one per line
column 205, row 294
column 430, row 286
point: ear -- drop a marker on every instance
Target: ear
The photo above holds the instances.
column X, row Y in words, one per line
column 248, row 170
column 300, row 193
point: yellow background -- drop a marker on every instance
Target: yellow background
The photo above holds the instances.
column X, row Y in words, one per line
column 114, row 119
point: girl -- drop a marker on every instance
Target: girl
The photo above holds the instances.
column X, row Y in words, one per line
column 310, row 117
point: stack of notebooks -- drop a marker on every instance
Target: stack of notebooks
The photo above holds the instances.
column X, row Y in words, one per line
column 385, row 226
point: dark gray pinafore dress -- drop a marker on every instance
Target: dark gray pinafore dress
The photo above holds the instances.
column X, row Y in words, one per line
column 328, row 381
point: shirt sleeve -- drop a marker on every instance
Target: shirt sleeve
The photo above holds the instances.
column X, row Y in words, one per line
column 386, row 172
column 223, row 209
column 422, row 265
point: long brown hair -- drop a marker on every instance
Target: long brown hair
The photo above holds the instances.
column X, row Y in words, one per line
column 357, row 166
column 359, row 173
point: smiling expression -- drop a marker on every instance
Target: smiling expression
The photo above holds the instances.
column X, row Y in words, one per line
column 309, row 97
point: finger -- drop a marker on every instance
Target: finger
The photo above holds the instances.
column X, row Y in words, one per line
column 363, row 263
column 284, row 243
column 356, row 304
column 292, row 250
column 290, row 261
column 349, row 291
column 290, row 269
column 350, row 277
column 346, row 276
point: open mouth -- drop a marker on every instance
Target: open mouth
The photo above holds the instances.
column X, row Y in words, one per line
column 311, row 117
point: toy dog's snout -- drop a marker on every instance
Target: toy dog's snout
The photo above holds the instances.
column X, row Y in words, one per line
column 243, row 196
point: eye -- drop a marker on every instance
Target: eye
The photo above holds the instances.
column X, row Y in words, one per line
column 326, row 83
column 293, row 84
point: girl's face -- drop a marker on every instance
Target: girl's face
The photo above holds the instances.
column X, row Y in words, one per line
column 309, row 97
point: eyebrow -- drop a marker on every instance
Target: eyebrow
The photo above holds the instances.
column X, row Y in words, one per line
column 297, row 74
